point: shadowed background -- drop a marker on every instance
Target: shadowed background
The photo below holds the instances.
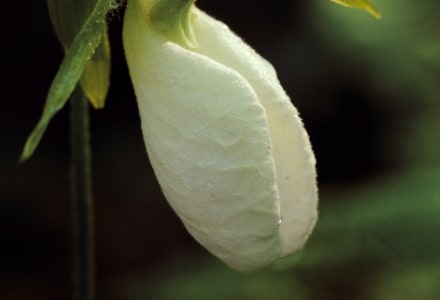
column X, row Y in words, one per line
column 368, row 92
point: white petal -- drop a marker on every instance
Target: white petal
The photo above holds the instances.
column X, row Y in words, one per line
column 207, row 138
column 294, row 159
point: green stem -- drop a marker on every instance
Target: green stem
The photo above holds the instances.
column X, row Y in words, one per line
column 82, row 198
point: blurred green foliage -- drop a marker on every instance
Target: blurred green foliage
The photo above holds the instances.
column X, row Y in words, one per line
column 402, row 54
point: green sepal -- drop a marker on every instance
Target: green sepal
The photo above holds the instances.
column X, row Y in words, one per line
column 77, row 55
column 95, row 80
column 67, row 18
column 173, row 19
column 361, row 4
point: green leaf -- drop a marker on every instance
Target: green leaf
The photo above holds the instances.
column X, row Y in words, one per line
column 67, row 18
column 69, row 73
column 361, row 4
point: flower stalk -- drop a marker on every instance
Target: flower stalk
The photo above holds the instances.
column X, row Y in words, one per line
column 84, row 273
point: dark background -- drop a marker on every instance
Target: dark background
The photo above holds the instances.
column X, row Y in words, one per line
column 368, row 93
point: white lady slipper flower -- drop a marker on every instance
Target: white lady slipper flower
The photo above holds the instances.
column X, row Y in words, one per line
column 227, row 146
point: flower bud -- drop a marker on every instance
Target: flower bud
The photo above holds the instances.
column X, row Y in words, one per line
column 226, row 144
